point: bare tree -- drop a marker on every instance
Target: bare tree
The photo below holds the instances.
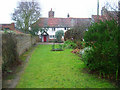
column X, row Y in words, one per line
column 26, row 14
column 111, row 10
column 77, row 32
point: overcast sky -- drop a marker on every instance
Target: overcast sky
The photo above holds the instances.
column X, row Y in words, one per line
column 76, row 8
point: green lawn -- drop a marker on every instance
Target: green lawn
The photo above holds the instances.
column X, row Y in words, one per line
column 60, row 69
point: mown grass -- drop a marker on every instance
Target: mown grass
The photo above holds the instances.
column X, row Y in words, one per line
column 58, row 69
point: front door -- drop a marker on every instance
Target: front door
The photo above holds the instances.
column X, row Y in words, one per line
column 45, row 39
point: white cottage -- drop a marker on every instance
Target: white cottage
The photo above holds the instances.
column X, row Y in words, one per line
column 54, row 24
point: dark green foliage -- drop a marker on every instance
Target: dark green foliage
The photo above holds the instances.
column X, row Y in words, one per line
column 9, row 51
column 69, row 44
column 80, row 44
column 59, row 35
column 103, row 57
column 34, row 29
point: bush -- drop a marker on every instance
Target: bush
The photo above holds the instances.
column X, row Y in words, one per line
column 59, row 35
column 80, row 44
column 103, row 38
column 68, row 35
column 76, row 33
column 69, row 44
column 86, row 49
column 34, row 30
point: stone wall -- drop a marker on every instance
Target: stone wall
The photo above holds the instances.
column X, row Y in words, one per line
column 24, row 42
column 34, row 39
column 11, row 47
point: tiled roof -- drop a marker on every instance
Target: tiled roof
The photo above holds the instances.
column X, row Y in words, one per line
column 96, row 18
column 109, row 16
column 12, row 28
column 62, row 22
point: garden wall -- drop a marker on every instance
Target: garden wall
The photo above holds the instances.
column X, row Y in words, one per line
column 13, row 45
column 23, row 41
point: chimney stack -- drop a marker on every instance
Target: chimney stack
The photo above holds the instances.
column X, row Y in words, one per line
column 104, row 11
column 68, row 15
column 51, row 14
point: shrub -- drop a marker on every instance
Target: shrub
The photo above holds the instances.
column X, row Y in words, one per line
column 77, row 32
column 69, row 44
column 59, row 35
column 80, row 44
column 34, row 30
column 67, row 35
column 86, row 49
column 103, row 38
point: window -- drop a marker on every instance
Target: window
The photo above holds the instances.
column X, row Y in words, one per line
column 53, row 29
column 52, row 36
column 65, row 28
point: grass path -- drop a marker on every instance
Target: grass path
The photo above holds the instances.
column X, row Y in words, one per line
column 48, row 69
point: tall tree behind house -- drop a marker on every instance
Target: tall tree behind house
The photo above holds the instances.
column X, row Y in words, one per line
column 26, row 14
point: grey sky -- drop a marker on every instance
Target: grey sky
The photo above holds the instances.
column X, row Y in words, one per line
column 76, row 8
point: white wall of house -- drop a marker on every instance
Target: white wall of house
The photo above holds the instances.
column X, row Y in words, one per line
column 52, row 31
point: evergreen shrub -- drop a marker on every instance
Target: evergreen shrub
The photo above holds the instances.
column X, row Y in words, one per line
column 69, row 44
column 103, row 57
